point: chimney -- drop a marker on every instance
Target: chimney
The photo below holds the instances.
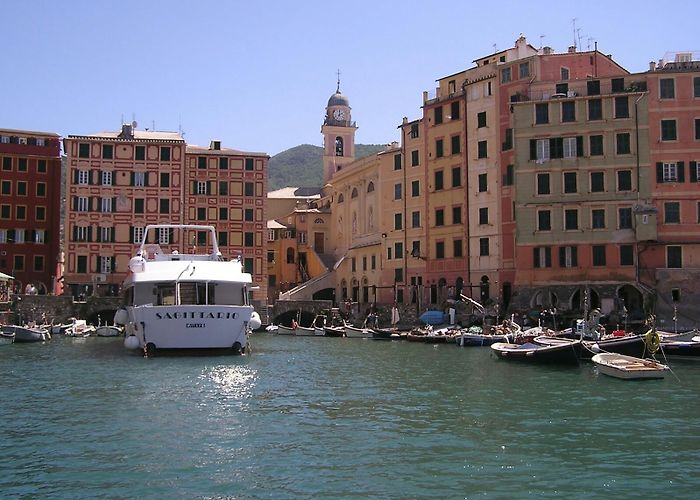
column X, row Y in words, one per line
column 652, row 65
column 547, row 50
column 127, row 131
column 215, row 145
column 572, row 49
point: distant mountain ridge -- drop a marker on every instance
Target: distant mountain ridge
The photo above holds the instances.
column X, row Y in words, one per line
column 302, row 166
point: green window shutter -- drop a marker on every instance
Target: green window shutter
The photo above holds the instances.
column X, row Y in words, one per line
column 659, row 172
column 693, row 171
column 681, row 171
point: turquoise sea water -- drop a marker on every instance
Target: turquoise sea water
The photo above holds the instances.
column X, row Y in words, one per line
column 337, row 418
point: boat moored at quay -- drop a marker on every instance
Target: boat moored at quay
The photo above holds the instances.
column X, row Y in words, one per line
column 176, row 302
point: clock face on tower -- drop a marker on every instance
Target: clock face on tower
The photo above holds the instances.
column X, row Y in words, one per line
column 339, row 114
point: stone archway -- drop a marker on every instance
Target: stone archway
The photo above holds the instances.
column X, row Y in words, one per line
column 632, row 300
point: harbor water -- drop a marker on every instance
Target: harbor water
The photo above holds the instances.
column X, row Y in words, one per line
column 305, row 417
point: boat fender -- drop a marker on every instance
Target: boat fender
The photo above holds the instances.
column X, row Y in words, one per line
column 121, row 317
column 255, row 321
column 237, row 348
column 652, row 341
column 131, row 342
column 596, row 348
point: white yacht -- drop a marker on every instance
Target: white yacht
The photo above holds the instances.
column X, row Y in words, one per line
column 186, row 300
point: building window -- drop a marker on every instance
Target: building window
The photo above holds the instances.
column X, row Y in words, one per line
column 83, row 177
column 667, row 88
column 83, row 204
column 595, row 109
column 398, row 250
column 105, row 233
column 624, row 180
column 7, row 163
column 696, row 86
column 539, row 150
column 40, row 213
column 139, row 179
column 457, row 248
column 570, row 146
column 524, row 70
column 249, row 238
column 505, row 75
column 570, row 182
column 164, row 235
column 107, row 151
column 544, row 220
column 670, row 172
column 201, row 187
column 19, row 236
column 41, row 166
column 598, row 255
column 508, row 143
column 439, row 217
column 223, row 188
column 106, row 205
column 414, row 131
column 140, row 153
column 83, row 150
column 674, row 257
column 622, row 109
column 201, row 213
column 454, row 110
column 483, row 182
column 542, row 113
column 248, row 215
column 165, row 153
column 164, row 206
column 223, row 163
column 571, row 219
column 672, row 212
column 139, row 205
column 481, row 119
column 593, row 87
column 568, row 111
column 415, row 218
column 626, row 255
column 596, row 145
column 564, row 73
column 249, row 164
column 415, row 188
column 137, row 234
column 438, row 115
column 21, row 212
column 483, row 215
column 668, row 130
column 624, row 218
column 21, row 188
column 456, row 176
column 509, row 178
column 568, row 256
column 456, row 145
column 38, row 262
column 415, row 159
column 542, row 257
column 597, row 182
column 439, row 185
column 5, row 211
column 482, row 149
column 598, row 218
column 623, row 143
column 697, row 129
column 164, row 179
column 249, row 189
column 397, row 191
column 201, row 162
column 543, row 184
column 440, row 250
column 457, row 215
column 6, row 188
column 439, row 152
column 397, row 222
column 107, row 178
column 484, row 247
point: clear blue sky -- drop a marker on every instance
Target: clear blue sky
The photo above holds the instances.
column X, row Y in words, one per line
column 258, row 74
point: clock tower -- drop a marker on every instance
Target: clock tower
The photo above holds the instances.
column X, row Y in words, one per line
column 338, row 131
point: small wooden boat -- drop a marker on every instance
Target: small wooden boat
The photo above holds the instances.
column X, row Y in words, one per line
column 474, row 339
column 285, row 330
column 334, row 331
column 688, row 348
column 108, row 331
column 567, row 352
column 629, row 367
column 304, row 331
column 354, row 332
column 25, row 334
column 388, row 334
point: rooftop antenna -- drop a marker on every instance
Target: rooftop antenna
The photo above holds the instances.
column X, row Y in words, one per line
column 578, row 34
column 337, row 89
column 590, row 39
column 494, row 48
column 541, row 38
column 573, row 21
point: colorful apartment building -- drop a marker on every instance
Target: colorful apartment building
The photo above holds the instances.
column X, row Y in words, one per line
column 227, row 188
column 30, row 200
column 670, row 263
column 119, row 182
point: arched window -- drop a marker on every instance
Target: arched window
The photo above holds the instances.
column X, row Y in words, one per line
column 341, row 198
column 290, row 256
column 354, row 193
column 370, row 187
column 339, row 146
column 318, row 221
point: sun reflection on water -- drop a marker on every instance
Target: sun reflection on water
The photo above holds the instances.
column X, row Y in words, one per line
column 230, row 381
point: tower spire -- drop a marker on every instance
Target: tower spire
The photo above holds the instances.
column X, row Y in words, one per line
column 337, row 89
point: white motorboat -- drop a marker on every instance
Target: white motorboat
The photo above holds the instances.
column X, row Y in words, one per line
column 26, row 334
column 108, row 331
column 196, row 301
column 629, row 367
column 361, row 333
column 79, row 328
